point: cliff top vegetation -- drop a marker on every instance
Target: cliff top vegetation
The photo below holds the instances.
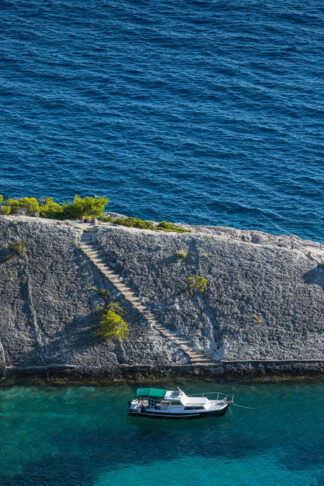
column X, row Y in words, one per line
column 88, row 207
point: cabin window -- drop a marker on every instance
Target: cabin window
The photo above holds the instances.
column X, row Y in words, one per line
column 194, row 408
column 175, row 402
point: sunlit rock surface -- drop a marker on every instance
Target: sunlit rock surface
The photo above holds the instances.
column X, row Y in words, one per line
column 263, row 301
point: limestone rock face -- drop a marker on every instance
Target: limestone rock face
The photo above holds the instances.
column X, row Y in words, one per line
column 263, row 300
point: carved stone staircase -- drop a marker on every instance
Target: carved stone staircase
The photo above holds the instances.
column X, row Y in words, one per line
column 93, row 252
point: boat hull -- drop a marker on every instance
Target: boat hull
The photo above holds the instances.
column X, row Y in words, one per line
column 178, row 416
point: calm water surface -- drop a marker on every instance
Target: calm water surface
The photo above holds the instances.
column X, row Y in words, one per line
column 195, row 111
column 82, row 437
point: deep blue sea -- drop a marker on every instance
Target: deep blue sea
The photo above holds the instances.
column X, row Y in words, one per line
column 82, row 437
column 194, row 111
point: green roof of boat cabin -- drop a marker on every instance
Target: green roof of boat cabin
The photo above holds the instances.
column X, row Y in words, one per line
column 150, row 392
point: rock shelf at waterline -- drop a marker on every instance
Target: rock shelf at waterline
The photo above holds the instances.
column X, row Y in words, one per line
column 214, row 301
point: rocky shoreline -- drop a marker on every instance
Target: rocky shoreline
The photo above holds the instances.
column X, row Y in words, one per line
column 265, row 371
column 260, row 316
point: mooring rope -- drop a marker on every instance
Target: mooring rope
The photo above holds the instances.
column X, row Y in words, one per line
column 242, row 406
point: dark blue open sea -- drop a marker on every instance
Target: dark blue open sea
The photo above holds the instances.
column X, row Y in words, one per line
column 195, row 111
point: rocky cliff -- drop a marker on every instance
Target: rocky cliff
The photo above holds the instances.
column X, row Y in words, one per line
column 262, row 308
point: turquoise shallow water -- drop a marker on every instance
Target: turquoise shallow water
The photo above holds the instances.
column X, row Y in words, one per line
column 82, row 436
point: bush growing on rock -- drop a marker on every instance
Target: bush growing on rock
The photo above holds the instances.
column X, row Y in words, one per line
column 164, row 226
column 131, row 222
column 112, row 326
column 134, row 223
column 29, row 204
column 19, row 246
column 50, row 209
column 106, row 219
column 47, row 208
column 182, row 254
column 87, row 206
column 198, row 284
column 4, row 210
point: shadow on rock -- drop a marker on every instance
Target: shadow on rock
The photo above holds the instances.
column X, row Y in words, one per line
column 315, row 276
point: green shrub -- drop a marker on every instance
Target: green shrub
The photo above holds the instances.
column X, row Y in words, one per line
column 182, row 254
column 13, row 205
column 134, row 223
column 4, row 210
column 164, row 226
column 87, row 206
column 106, row 219
column 117, row 308
column 198, row 284
column 50, row 209
column 112, row 326
column 29, row 203
column 142, row 224
column 19, row 246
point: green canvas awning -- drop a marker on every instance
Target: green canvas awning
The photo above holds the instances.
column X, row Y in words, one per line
column 150, row 392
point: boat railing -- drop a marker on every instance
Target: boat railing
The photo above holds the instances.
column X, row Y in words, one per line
column 226, row 397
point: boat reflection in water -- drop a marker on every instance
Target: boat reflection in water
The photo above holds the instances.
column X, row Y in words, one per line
column 160, row 403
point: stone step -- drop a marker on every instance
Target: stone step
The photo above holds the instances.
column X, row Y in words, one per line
column 131, row 297
column 165, row 333
column 93, row 251
column 199, row 360
column 101, row 266
column 211, row 363
column 98, row 262
column 114, row 278
column 136, row 304
column 195, row 355
column 96, row 258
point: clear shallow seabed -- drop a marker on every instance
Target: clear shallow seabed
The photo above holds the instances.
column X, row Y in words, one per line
column 195, row 111
column 81, row 436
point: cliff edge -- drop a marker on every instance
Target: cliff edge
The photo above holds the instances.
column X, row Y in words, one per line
column 262, row 308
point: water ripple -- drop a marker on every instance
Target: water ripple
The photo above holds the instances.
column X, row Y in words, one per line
column 205, row 112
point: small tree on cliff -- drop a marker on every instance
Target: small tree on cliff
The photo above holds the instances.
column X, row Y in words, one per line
column 112, row 324
column 29, row 204
column 87, row 206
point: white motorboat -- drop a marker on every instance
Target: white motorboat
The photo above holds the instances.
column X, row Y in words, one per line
column 161, row 403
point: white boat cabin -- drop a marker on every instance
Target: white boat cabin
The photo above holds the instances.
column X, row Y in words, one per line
column 176, row 404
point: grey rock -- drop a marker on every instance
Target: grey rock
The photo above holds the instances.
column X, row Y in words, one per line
column 263, row 302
